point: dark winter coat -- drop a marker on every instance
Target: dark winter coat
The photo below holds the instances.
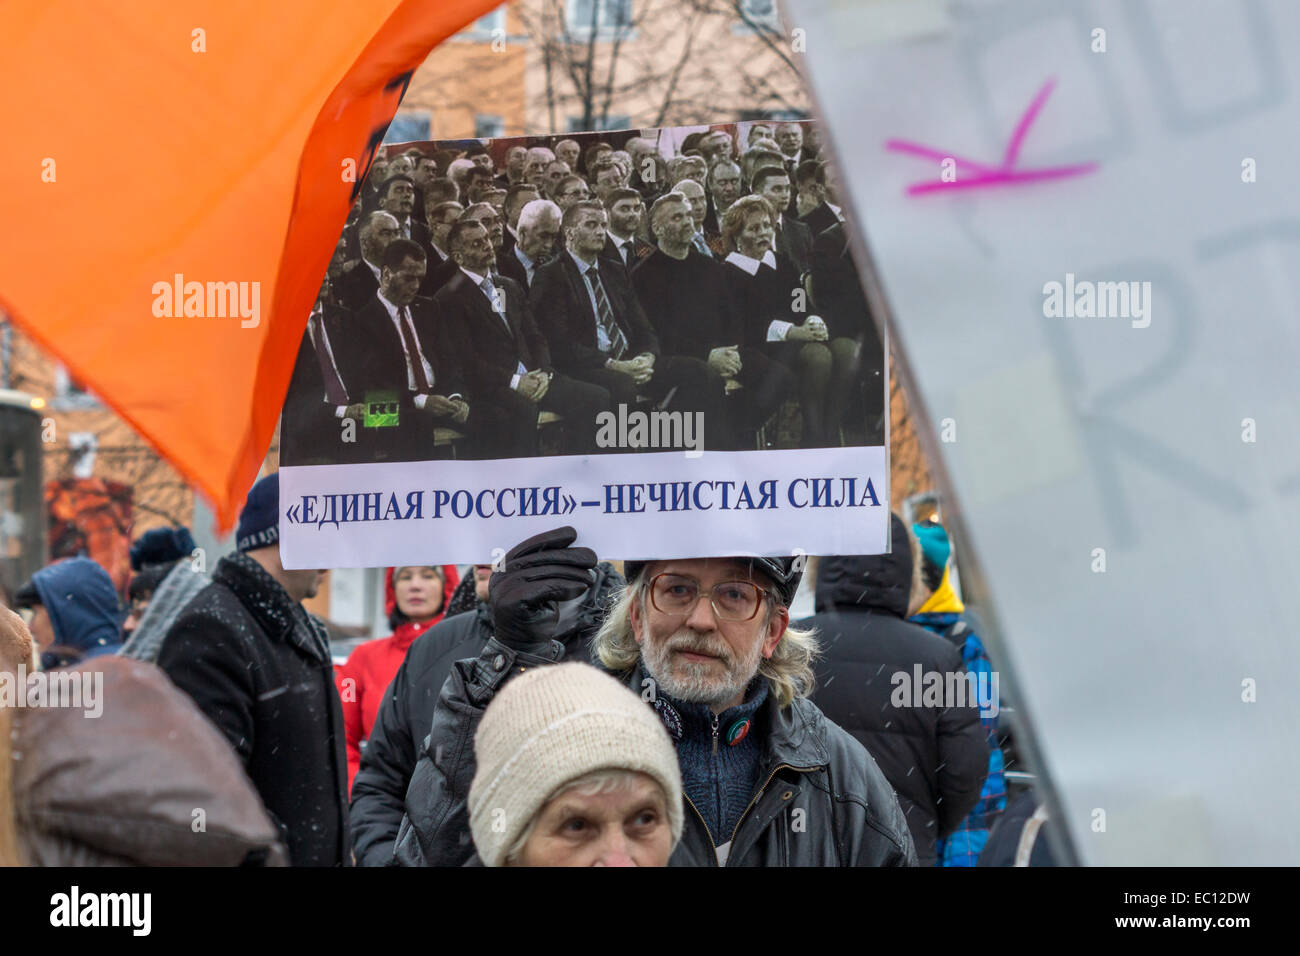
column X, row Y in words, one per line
column 406, row 715
column 849, row 816
column 935, row 757
column 79, row 597
column 259, row 667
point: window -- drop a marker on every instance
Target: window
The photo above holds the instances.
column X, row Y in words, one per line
column 776, row 116
column 69, row 393
column 408, row 128
column 496, row 20
column 488, row 127
column 610, row 15
column 612, row 122
column 761, row 13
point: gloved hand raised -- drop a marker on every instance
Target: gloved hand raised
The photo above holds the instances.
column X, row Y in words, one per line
column 538, row 573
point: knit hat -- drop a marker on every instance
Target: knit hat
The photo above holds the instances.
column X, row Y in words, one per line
column 259, row 522
column 548, row 727
column 161, row 546
column 935, row 545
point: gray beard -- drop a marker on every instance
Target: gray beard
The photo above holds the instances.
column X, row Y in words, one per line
column 694, row 682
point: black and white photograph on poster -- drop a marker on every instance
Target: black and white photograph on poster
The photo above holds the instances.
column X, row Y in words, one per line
column 649, row 333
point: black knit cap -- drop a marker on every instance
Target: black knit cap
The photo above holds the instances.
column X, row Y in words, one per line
column 259, row 522
column 784, row 573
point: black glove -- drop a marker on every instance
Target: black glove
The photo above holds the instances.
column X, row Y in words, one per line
column 538, row 573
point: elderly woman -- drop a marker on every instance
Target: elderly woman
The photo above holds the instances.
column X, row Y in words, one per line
column 573, row 769
column 767, row 291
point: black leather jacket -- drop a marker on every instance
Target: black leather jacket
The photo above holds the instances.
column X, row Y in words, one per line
column 850, row 814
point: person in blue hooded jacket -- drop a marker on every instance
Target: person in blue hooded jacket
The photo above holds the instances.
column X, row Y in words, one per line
column 944, row 613
column 75, row 613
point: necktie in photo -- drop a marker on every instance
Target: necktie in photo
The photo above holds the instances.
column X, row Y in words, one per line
column 421, row 372
column 495, row 297
column 335, row 392
column 605, row 315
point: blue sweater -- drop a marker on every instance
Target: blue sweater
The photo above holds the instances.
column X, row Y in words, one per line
column 718, row 777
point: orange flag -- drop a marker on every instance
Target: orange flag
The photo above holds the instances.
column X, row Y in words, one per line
column 173, row 180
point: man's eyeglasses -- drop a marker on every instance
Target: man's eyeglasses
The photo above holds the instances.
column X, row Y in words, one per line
column 732, row 600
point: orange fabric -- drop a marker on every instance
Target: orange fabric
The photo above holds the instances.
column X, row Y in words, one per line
column 131, row 157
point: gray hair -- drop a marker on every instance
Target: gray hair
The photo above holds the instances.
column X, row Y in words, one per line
column 789, row 670
column 605, row 780
column 535, row 210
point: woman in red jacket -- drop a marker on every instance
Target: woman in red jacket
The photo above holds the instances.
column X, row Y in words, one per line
column 415, row 598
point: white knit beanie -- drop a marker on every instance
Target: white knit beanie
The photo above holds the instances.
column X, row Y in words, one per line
column 550, row 726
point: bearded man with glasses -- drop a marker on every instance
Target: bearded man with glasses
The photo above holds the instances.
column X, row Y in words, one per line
column 768, row 780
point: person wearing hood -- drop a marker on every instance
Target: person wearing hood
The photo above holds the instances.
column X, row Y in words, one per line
column 943, row 613
column 871, row 680
column 708, row 647
column 74, row 612
column 415, row 599
column 259, row 667
column 405, row 715
column 167, row 578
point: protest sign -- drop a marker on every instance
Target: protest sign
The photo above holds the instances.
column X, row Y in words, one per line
column 657, row 336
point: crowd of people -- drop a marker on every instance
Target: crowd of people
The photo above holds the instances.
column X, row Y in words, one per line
column 467, row 303
column 555, row 710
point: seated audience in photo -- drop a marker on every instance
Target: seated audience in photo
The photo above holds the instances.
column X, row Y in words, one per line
column 818, row 211
column 360, row 277
column 513, row 174
column 794, row 240
column 766, row 288
column 599, row 333
column 626, row 214
column 837, row 297
column 516, row 198
column 699, row 204
column 504, row 355
column 687, row 300
column 569, row 190
column 403, row 349
column 539, row 238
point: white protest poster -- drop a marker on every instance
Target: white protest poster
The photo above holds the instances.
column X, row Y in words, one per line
column 657, row 336
column 1084, row 221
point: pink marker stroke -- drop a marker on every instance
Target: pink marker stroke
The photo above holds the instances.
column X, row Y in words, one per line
column 988, row 175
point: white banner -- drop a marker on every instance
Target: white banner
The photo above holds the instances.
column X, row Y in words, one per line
column 630, row 506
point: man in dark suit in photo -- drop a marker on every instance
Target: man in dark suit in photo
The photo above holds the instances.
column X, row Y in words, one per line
column 317, row 401
column 397, row 197
column 815, row 195
column 625, row 210
column 517, row 197
column 793, row 238
column 360, row 278
column 441, row 265
column 400, row 354
column 504, row 355
column 724, row 188
column 685, row 296
column 599, row 333
column 539, row 235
